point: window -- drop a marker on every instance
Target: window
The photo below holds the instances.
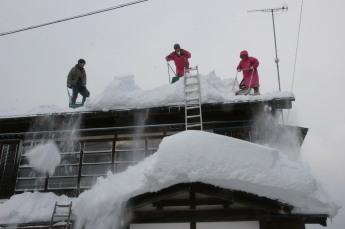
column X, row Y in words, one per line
column 129, row 152
column 97, row 161
column 65, row 175
column 8, row 165
column 29, row 179
column 83, row 162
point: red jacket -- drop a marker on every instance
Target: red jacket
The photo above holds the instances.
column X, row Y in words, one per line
column 181, row 61
column 250, row 72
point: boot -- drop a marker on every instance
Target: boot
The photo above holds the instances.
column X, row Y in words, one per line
column 243, row 92
column 256, row 91
column 83, row 101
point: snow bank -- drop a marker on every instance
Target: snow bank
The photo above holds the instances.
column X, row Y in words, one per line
column 194, row 156
column 44, row 157
column 123, row 93
column 29, row 207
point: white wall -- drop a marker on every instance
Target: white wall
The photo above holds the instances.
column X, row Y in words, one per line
column 232, row 225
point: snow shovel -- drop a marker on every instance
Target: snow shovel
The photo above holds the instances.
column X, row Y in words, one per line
column 174, row 78
column 235, row 81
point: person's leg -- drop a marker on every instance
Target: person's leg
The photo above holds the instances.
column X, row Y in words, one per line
column 85, row 93
column 256, row 90
column 74, row 94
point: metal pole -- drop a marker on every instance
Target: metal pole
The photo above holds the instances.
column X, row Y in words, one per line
column 171, row 68
column 276, row 50
column 168, row 71
column 272, row 11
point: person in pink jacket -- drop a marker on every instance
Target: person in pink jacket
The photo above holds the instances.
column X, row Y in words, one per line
column 180, row 58
column 249, row 67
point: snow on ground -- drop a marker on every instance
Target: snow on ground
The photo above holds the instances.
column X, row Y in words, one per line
column 28, row 207
column 124, row 93
column 44, row 157
column 194, row 156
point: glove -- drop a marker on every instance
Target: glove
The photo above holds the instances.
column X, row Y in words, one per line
column 239, row 70
column 167, row 58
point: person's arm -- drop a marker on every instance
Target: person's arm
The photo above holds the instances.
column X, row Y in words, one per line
column 187, row 54
column 69, row 78
column 84, row 80
column 254, row 63
column 170, row 56
column 239, row 68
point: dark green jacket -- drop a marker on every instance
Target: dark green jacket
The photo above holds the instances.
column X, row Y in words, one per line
column 76, row 74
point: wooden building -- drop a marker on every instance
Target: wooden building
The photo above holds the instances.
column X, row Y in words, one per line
column 95, row 142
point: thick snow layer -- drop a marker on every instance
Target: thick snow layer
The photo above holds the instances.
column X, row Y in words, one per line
column 194, row 156
column 29, row 207
column 44, row 157
column 124, row 93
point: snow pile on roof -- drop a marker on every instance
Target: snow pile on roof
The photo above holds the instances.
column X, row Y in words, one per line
column 29, row 207
column 194, row 156
column 44, row 157
column 123, row 93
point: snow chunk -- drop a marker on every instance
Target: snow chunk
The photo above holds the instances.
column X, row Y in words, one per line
column 44, row 157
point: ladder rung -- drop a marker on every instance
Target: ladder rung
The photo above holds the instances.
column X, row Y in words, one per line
column 61, row 215
column 62, row 205
column 192, row 107
column 193, row 125
column 192, row 99
column 191, row 91
column 193, row 116
column 192, row 76
column 192, row 84
column 192, row 104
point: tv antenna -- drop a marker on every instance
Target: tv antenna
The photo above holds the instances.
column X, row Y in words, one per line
column 273, row 11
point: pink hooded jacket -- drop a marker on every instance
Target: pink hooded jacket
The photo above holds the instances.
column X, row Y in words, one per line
column 249, row 67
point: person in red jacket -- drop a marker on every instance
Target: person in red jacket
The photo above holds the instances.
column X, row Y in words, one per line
column 180, row 57
column 249, row 66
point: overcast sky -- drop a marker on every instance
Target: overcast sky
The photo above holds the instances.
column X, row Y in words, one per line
column 134, row 40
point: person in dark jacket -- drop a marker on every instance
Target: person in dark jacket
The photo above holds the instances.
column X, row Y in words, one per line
column 180, row 58
column 76, row 81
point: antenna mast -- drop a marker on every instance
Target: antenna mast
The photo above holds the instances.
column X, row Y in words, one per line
column 272, row 11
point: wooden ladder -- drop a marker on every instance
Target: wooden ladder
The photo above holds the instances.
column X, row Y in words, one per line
column 61, row 216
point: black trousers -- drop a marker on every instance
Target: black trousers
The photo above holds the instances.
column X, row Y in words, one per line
column 78, row 89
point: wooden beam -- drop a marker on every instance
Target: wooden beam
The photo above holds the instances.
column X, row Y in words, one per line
column 185, row 202
column 184, row 216
column 149, row 198
column 224, row 215
column 241, row 197
column 229, row 196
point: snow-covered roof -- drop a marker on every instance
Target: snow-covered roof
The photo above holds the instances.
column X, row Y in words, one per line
column 190, row 156
column 123, row 93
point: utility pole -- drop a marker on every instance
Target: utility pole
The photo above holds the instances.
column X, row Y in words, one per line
column 272, row 11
